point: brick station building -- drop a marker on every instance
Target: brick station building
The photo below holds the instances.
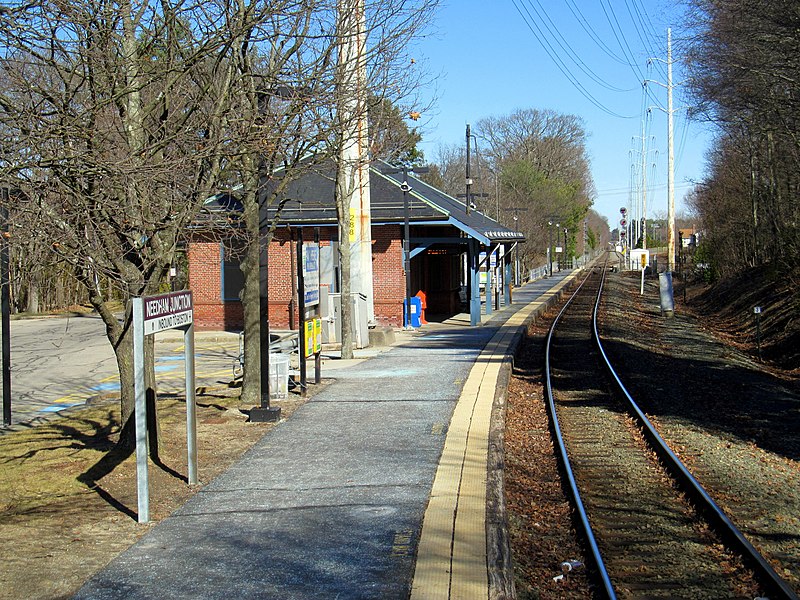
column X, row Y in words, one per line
column 446, row 246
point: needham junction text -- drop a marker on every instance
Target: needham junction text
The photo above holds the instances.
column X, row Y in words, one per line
column 167, row 311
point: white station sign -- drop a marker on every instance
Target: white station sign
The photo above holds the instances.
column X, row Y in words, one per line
column 167, row 311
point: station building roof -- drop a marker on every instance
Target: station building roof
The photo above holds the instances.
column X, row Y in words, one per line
column 309, row 201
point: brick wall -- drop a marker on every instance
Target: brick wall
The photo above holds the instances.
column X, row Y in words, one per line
column 212, row 313
column 205, row 256
column 388, row 274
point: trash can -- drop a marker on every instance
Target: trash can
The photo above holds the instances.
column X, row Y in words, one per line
column 278, row 376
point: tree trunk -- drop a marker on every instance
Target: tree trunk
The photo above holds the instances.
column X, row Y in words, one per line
column 251, row 304
column 342, row 180
column 121, row 339
column 33, row 294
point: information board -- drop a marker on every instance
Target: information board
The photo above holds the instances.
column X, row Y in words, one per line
column 313, row 337
column 311, row 274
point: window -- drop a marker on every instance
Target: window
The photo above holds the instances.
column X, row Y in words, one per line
column 232, row 278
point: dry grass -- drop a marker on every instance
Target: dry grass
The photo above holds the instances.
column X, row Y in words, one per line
column 68, row 497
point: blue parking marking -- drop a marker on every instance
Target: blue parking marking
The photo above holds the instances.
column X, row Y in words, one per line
column 58, row 407
column 105, row 387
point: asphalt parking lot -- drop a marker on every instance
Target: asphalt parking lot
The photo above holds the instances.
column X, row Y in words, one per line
column 61, row 362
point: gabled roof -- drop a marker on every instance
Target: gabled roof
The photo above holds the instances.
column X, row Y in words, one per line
column 309, row 200
column 475, row 223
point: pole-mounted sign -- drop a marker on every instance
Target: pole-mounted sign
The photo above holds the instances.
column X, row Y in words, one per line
column 167, row 311
column 310, row 265
column 640, row 258
column 151, row 315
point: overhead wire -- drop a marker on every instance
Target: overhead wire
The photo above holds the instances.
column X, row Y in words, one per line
column 619, row 35
column 556, row 46
column 644, row 17
column 682, row 144
column 584, row 23
column 549, row 30
column 645, row 37
column 529, row 21
column 621, row 41
column 564, row 45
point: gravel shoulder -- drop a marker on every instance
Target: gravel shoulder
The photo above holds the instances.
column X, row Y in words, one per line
column 735, row 424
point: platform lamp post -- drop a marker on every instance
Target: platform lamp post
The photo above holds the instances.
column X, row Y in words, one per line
column 264, row 413
column 515, row 212
column 516, row 253
column 406, row 188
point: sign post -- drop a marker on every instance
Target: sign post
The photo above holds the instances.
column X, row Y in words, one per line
column 308, row 296
column 151, row 315
column 641, row 258
column 5, row 309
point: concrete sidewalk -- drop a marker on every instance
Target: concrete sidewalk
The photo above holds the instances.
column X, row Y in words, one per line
column 343, row 516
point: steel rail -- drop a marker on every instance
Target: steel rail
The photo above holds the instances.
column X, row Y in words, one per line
column 600, row 567
column 723, row 525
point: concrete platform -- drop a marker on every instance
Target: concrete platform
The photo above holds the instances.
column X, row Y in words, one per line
column 382, row 490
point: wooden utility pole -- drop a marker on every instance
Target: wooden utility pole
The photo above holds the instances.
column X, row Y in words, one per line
column 354, row 153
column 671, row 161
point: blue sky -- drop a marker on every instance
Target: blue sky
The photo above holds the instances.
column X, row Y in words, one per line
column 490, row 63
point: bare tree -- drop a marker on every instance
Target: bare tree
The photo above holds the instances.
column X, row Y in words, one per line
column 119, row 120
column 532, row 166
column 742, row 59
column 540, row 156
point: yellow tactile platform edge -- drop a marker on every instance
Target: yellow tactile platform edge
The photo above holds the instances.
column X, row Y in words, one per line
column 451, row 558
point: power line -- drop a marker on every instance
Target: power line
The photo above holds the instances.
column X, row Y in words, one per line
column 619, row 35
column 564, row 45
column 560, row 64
column 579, row 16
column 645, row 36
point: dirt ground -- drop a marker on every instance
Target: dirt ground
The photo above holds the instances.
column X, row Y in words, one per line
column 68, row 505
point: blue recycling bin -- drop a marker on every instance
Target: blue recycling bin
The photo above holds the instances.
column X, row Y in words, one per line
column 416, row 312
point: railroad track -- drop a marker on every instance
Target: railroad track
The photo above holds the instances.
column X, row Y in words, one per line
column 652, row 531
